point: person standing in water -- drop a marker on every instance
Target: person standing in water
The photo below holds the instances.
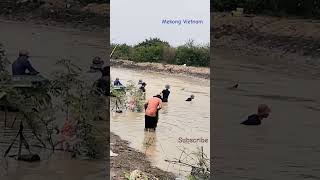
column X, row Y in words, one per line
column 165, row 93
column 255, row 119
column 152, row 107
column 190, row 98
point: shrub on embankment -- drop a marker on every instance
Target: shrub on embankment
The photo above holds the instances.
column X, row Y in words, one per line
column 156, row 50
column 305, row 8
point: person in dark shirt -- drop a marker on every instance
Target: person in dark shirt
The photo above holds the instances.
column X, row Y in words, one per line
column 103, row 82
column 143, row 87
column 190, row 98
column 117, row 82
column 165, row 93
column 22, row 64
column 255, row 119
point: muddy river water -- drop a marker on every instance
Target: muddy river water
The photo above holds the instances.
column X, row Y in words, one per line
column 285, row 146
column 177, row 118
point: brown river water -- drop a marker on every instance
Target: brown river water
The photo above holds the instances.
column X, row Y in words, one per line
column 285, row 146
column 177, row 118
column 46, row 46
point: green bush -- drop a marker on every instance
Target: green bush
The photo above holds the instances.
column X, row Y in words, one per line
column 149, row 50
column 192, row 55
column 123, row 51
column 155, row 50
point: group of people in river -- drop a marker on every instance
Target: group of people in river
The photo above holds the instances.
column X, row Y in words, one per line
column 153, row 104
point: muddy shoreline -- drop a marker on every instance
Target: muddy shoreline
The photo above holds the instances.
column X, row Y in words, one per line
column 54, row 15
column 200, row 72
column 129, row 159
column 276, row 37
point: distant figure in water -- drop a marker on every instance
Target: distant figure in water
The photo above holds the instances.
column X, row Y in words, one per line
column 234, row 86
column 152, row 107
column 190, row 98
column 165, row 93
column 255, row 119
column 117, row 82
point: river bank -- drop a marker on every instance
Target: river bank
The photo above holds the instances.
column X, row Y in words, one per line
column 276, row 37
column 129, row 159
column 91, row 17
column 200, row 72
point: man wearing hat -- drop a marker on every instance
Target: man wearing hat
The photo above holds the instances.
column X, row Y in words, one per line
column 22, row 64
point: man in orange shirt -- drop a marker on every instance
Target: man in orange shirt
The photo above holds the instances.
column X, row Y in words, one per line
column 152, row 106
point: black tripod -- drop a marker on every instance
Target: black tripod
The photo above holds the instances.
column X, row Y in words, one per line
column 116, row 106
column 22, row 140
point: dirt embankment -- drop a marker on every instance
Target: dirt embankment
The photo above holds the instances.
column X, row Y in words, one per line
column 263, row 35
column 129, row 160
column 201, row 72
column 55, row 12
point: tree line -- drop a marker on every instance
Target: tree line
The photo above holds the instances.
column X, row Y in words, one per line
column 156, row 50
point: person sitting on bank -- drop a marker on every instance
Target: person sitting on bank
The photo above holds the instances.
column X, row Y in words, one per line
column 165, row 93
column 190, row 98
column 117, row 82
column 22, row 64
column 152, row 106
column 255, row 119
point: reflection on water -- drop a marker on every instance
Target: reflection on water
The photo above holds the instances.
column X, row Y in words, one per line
column 177, row 118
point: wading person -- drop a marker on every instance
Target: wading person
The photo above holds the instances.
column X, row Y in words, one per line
column 165, row 93
column 103, row 82
column 255, row 119
column 190, row 98
column 152, row 107
column 22, row 64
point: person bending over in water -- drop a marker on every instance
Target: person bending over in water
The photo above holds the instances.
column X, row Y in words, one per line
column 255, row 119
column 152, row 106
column 22, row 64
column 190, row 98
column 165, row 93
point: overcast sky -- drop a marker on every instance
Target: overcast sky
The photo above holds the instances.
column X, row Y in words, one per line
column 133, row 21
